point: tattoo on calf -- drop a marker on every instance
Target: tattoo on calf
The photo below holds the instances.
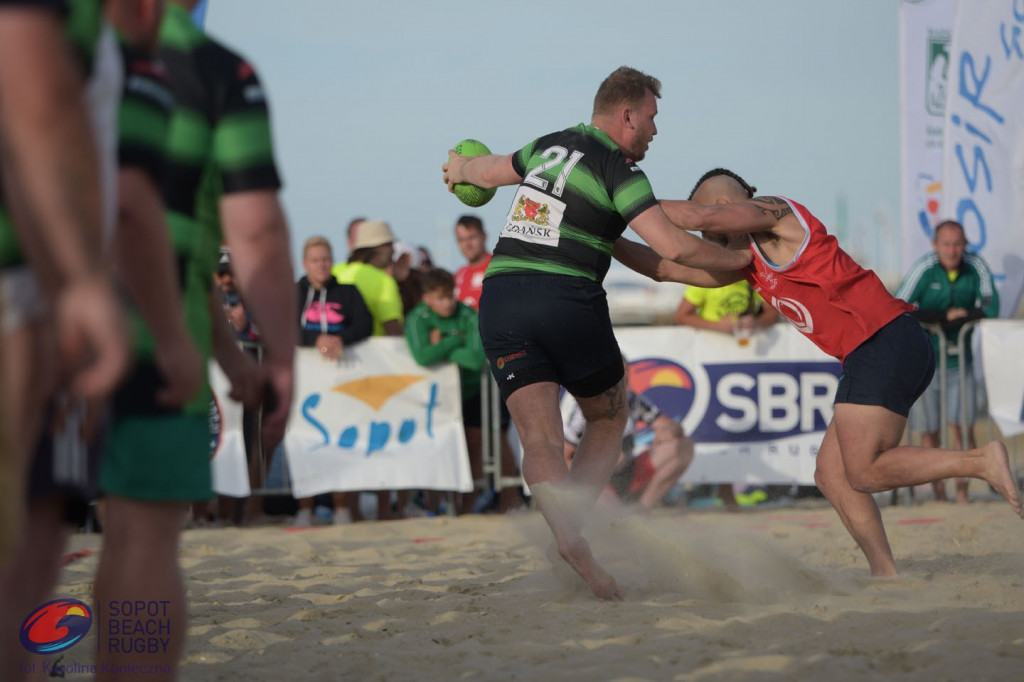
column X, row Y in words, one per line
column 616, row 396
column 774, row 206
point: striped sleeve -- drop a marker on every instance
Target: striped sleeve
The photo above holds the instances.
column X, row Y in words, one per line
column 242, row 148
column 988, row 297
column 144, row 114
column 908, row 287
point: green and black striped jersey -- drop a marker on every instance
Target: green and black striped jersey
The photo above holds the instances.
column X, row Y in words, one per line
column 579, row 192
column 218, row 143
column 219, row 140
column 144, row 115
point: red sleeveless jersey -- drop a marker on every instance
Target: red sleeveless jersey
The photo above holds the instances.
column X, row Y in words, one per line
column 836, row 303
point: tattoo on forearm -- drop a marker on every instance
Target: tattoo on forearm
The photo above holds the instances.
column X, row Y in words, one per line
column 773, row 206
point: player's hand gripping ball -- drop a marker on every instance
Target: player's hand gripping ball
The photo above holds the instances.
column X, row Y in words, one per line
column 467, row 193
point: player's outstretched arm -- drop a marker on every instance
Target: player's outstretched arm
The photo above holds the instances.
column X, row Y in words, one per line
column 644, row 260
column 683, row 248
column 759, row 214
column 486, row 170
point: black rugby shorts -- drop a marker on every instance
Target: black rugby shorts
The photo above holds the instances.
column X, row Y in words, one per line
column 891, row 369
column 542, row 327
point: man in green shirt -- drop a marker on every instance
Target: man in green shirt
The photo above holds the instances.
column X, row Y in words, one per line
column 950, row 287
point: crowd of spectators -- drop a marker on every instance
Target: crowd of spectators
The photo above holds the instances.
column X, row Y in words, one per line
column 388, row 286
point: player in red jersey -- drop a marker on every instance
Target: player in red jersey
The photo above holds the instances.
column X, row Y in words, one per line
column 847, row 312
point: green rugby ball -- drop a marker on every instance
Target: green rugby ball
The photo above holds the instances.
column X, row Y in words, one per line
column 467, row 193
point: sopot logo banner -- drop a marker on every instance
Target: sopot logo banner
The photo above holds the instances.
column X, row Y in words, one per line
column 376, row 421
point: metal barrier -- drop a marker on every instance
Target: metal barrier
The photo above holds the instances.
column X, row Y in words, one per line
column 958, row 351
column 490, row 410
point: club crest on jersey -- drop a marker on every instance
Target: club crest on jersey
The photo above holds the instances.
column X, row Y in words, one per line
column 533, row 211
column 534, row 217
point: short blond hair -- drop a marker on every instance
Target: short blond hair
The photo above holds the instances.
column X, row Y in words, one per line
column 317, row 241
column 625, row 85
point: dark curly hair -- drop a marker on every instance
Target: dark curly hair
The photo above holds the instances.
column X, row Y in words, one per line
column 749, row 189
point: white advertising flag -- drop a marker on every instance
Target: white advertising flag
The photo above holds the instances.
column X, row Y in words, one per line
column 925, row 35
column 983, row 149
column 1001, row 342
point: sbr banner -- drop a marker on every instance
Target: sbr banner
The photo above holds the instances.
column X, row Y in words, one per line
column 757, row 413
column 1001, row 344
column 983, row 150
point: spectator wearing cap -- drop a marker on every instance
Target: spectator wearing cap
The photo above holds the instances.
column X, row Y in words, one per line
column 234, row 307
column 372, row 254
column 405, row 268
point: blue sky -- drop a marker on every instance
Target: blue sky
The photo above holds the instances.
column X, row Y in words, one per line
column 798, row 96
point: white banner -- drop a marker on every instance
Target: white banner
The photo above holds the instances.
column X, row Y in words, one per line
column 983, row 149
column 1001, row 344
column 925, row 35
column 375, row 420
column 757, row 413
column 229, row 467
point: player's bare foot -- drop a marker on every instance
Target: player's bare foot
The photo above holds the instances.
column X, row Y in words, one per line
column 577, row 554
column 997, row 473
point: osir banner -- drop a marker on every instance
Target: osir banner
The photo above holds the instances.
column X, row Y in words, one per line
column 983, row 150
column 756, row 412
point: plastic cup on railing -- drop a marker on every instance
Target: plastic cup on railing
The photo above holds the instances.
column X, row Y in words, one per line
column 743, row 329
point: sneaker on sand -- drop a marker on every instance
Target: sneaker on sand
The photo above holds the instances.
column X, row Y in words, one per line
column 341, row 517
column 303, row 518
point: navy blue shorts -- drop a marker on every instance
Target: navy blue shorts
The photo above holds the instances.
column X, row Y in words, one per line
column 891, row 369
column 554, row 328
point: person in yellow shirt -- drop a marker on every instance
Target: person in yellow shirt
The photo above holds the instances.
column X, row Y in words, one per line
column 734, row 309
column 367, row 268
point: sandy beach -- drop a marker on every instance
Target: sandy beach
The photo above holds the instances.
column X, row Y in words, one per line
column 780, row 593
